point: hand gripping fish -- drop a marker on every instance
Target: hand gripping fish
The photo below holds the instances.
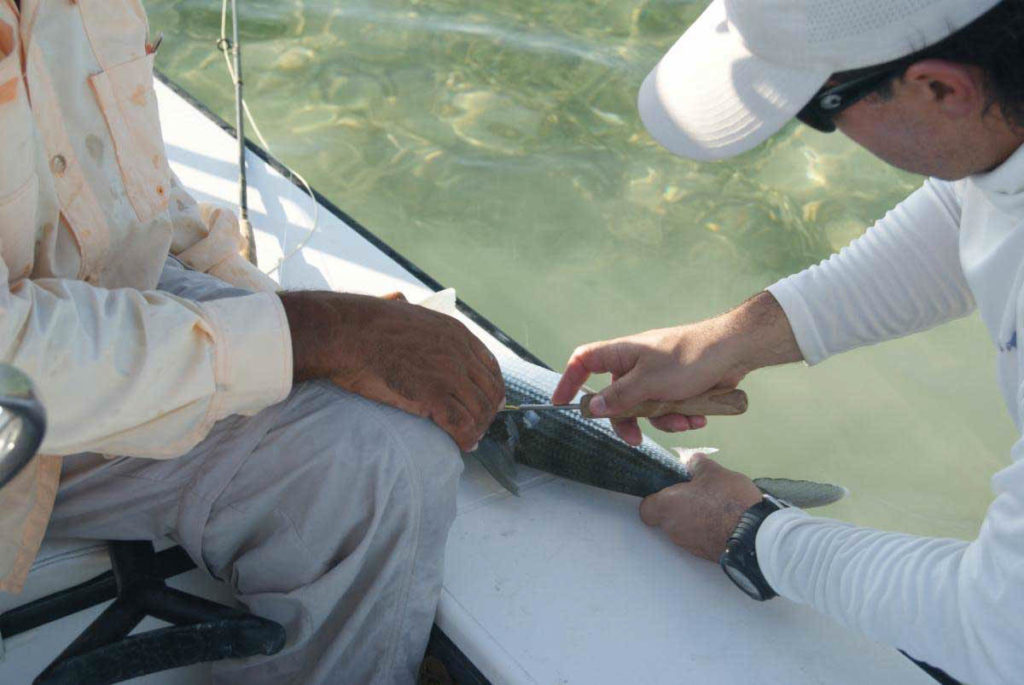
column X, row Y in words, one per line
column 588, row 451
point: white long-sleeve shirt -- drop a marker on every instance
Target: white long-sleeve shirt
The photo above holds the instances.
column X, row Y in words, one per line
column 960, row 606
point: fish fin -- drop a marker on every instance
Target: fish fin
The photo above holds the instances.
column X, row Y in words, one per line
column 804, row 494
column 442, row 301
column 497, row 458
column 686, row 453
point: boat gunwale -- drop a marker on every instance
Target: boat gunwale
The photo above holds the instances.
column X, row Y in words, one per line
column 375, row 240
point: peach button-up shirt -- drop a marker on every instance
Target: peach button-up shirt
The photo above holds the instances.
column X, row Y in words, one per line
column 89, row 211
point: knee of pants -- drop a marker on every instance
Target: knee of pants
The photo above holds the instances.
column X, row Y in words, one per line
column 398, row 453
column 335, row 471
column 382, row 455
column 404, row 495
column 433, row 460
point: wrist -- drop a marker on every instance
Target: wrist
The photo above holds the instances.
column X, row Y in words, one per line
column 315, row 320
column 739, row 560
column 757, row 333
column 297, row 311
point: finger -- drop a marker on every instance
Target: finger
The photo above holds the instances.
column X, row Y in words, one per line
column 672, row 423
column 651, row 509
column 599, row 357
column 455, row 420
column 397, row 295
column 628, row 430
column 573, row 378
column 676, row 423
column 619, row 397
column 655, row 508
column 474, row 386
column 491, row 388
column 491, row 381
column 700, row 464
column 474, row 397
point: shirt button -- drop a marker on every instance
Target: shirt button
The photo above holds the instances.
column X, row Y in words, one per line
column 58, row 164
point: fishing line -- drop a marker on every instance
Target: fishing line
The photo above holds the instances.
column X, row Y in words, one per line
column 225, row 45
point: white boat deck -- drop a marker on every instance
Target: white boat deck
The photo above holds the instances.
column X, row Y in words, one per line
column 563, row 584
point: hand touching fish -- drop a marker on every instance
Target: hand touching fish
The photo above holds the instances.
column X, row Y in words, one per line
column 587, row 450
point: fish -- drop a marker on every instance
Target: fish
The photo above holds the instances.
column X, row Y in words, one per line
column 588, row 451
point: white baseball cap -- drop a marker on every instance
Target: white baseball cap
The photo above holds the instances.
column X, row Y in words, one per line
column 746, row 67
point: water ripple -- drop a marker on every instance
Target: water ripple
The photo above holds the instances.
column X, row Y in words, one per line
column 532, row 41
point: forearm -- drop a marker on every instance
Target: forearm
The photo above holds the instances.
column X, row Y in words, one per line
column 953, row 604
column 317, row 321
column 142, row 373
column 921, row 595
column 758, row 334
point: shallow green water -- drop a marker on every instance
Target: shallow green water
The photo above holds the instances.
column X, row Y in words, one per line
column 496, row 144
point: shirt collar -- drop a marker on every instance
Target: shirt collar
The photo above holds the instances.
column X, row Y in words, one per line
column 1005, row 179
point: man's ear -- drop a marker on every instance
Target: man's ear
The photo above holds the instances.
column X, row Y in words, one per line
column 955, row 89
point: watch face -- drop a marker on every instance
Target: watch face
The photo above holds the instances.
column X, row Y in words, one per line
column 737, row 576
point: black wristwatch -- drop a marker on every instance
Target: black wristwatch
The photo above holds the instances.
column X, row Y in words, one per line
column 739, row 560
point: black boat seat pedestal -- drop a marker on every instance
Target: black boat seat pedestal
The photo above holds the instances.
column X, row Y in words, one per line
column 105, row 652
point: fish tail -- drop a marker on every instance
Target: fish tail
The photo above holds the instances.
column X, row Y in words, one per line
column 497, row 459
column 443, row 301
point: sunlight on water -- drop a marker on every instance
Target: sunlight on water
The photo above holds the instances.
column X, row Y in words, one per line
column 497, row 145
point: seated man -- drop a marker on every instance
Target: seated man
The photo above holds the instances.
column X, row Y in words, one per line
column 251, row 427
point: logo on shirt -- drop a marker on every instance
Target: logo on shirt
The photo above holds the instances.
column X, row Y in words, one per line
column 1011, row 345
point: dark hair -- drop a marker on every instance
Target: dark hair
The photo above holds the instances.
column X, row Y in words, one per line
column 995, row 43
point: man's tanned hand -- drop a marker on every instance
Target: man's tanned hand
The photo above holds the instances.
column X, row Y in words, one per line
column 396, row 353
column 674, row 364
column 700, row 515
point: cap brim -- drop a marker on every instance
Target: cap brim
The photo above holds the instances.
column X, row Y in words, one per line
column 710, row 98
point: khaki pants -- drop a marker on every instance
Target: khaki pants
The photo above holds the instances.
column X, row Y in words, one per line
column 327, row 513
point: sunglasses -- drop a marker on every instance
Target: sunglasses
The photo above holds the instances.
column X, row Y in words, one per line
column 825, row 106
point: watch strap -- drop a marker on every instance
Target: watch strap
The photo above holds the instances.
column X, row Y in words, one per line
column 741, row 548
column 752, row 518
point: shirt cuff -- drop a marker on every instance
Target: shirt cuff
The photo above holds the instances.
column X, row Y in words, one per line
column 800, row 320
column 253, row 352
column 768, row 546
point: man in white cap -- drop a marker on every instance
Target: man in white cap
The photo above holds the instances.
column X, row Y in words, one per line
column 932, row 86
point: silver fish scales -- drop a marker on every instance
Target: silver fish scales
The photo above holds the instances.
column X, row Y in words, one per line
column 588, row 451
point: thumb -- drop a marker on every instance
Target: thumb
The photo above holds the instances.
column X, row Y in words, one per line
column 621, row 396
column 700, row 465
